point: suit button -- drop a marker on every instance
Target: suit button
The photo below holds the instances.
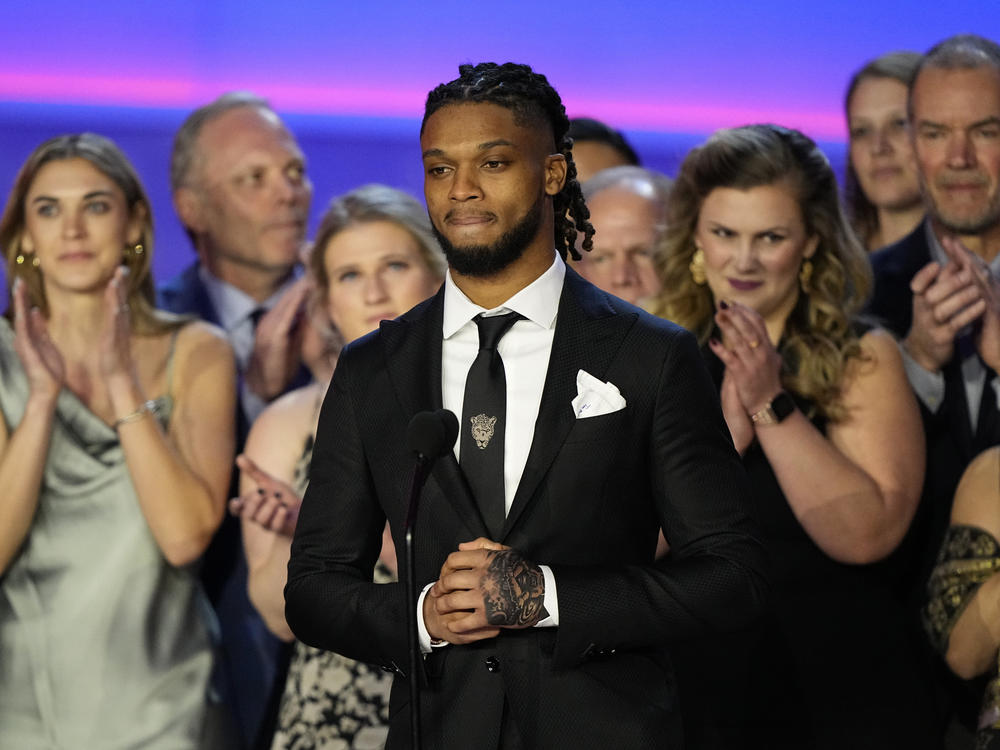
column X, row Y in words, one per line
column 492, row 664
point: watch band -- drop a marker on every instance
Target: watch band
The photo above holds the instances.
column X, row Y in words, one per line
column 776, row 411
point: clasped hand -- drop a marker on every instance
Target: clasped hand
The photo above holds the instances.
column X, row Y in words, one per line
column 484, row 586
column 273, row 504
column 277, row 347
column 44, row 365
column 753, row 368
column 948, row 298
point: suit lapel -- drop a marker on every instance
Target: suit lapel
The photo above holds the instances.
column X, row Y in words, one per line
column 587, row 337
column 413, row 359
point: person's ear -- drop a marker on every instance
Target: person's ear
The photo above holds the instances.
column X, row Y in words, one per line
column 189, row 206
column 555, row 173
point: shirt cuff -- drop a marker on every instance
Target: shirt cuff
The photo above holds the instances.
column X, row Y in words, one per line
column 551, row 600
column 929, row 386
column 422, row 635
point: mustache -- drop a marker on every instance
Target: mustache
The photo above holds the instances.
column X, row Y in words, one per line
column 974, row 179
column 466, row 214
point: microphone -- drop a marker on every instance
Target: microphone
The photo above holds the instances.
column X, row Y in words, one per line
column 430, row 435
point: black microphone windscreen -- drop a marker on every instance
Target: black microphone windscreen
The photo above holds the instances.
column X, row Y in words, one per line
column 432, row 433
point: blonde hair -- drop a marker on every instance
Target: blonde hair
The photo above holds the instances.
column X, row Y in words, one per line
column 368, row 203
column 819, row 338
column 109, row 160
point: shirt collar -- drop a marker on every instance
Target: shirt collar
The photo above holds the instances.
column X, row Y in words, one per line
column 537, row 302
column 232, row 305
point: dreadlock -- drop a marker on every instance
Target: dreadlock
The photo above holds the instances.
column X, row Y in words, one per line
column 532, row 100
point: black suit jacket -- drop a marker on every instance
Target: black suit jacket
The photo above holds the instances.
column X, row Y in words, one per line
column 951, row 441
column 951, row 446
column 592, row 496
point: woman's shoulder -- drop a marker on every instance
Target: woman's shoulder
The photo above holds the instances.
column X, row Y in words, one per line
column 285, row 424
column 198, row 344
column 292, row 410
column 977, row 499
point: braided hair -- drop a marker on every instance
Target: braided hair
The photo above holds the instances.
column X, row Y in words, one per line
column 532, row 100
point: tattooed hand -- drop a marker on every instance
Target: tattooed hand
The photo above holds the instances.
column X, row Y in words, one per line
column 513, row 590
column 483, row 587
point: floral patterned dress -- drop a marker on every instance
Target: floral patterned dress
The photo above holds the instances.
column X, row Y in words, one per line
column 332, row 702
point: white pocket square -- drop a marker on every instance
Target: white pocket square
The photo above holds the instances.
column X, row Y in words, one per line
column 594, row 398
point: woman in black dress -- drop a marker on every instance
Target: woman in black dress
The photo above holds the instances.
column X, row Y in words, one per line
column 759, row 261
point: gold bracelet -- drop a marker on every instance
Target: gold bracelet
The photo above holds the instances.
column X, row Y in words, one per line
column 146, row 408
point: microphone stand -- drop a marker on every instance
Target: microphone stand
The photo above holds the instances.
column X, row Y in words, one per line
column 419, row 477
column 430, row 435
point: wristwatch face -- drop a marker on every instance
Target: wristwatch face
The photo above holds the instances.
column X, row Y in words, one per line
column 782, row 406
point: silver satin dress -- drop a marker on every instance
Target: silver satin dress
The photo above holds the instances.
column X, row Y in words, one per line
column 103, row 644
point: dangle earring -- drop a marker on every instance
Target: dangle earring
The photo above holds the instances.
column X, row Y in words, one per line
column 23, row 258
column 697, row 267
column 805, row 274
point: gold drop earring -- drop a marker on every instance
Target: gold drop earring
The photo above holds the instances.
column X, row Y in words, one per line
column 697, row 267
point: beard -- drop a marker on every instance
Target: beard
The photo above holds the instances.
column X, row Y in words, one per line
column 482, row 261
column 968, row 223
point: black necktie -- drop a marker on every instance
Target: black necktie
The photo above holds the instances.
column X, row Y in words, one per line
column 256, row 314
column 484, row 415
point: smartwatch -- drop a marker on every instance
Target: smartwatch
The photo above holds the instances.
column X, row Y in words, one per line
column 780, row 407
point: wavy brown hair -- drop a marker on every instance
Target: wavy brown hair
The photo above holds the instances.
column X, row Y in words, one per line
column 820, row 337
column 109, row 160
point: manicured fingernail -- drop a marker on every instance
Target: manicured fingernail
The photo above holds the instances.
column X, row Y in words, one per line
column 260, row 490
column 277, row 495
column 723, row 305
column 713, row 341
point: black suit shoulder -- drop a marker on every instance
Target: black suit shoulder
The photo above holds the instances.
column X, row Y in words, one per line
column 185, row 294
column 893, row 267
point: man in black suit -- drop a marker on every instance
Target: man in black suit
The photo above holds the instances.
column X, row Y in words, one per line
column 935, row 306
column 544, row 621
column 241, row 190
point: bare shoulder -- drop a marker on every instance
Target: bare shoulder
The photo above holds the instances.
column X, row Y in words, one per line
column 201, row 339
column 293, row 412
column 977, row 499
column 880, row 362
column 879, row 350
column 278, row 435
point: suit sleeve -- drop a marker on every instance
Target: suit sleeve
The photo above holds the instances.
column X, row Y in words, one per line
column 330, row 599
column 714, row 577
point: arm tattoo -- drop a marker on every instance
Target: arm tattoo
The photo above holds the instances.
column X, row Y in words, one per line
column 513, row 591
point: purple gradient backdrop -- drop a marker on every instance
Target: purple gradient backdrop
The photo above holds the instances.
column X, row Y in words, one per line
column 351, row 78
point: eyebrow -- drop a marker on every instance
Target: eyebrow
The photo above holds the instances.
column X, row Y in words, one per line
column 481, row 147
column 88, row 196
column 992, row 120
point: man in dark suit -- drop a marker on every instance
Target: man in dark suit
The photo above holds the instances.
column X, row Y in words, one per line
column 934, row 304
column 241, row 190
column 544, row 622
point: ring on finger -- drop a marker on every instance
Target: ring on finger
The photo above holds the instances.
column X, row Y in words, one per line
column 755, row 343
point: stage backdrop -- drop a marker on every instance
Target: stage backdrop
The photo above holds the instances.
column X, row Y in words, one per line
column 350, row 78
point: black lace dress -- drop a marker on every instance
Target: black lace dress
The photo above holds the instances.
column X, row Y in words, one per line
column 332, row 702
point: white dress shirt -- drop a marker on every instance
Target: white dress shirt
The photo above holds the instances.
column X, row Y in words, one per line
column 525, row 350
column 234, row 309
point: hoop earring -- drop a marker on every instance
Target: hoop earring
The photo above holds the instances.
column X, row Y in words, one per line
column 805, row 274
column 697, row 267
